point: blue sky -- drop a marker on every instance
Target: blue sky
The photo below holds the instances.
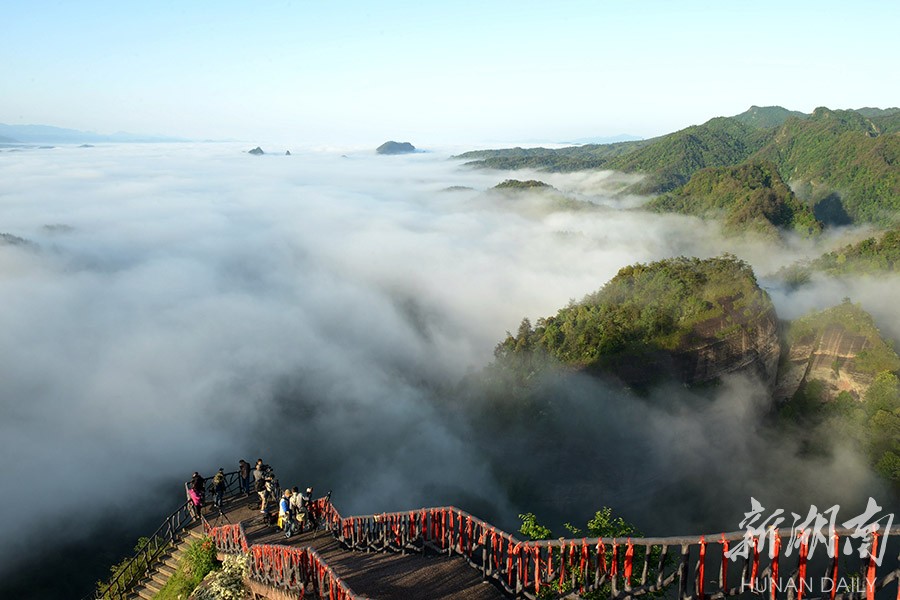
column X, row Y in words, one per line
column 435, row 72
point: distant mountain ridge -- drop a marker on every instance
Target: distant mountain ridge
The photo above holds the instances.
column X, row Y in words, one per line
column 842, row 163
column 48, row 134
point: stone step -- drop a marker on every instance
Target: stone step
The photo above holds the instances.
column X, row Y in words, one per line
column 165, row 569
column 144, row 593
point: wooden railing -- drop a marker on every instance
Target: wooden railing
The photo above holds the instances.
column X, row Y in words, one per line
column 695, row 567
column 297, row 570
column 691, row 568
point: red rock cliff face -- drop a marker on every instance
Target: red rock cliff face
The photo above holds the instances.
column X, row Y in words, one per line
column 744, row 340
column 829, row 359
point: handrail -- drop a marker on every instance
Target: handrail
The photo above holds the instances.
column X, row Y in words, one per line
column 295, row 569
column 135, row 569
column 619, row 568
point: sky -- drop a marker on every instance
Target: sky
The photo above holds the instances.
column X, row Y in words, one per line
column 435, row 72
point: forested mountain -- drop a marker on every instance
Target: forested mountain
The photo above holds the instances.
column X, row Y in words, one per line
column 840, row 157
column 843, row 163
column 767, row 117
column 748, row 197
column 561, row 160
column 871, row 256
column 683, row 318
column 670, row 160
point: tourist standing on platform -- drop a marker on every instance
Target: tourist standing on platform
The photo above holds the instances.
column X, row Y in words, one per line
column 297, row 509
column 258, row 474
column 196, row 490
column 244, row 475
column 218, row 487
column 284, row 514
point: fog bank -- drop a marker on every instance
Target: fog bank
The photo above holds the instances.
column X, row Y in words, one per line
column 183, row 306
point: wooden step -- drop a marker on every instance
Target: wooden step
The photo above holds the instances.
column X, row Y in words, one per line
column 153, row 585
column 144, row 593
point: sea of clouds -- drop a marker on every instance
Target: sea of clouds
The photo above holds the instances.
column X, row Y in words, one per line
column 178, row 307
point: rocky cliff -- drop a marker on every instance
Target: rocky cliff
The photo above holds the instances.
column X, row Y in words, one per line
column 740, row 341
column 839, row 348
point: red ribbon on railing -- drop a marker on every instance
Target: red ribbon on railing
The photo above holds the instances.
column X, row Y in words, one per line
column 510, row 553
column 523, row 564
column 701, row 569
column 562, row 565
column 585, row 564
column 494, row 545
column 754, row 570
column 469, row 536
column 801, row 565
column 395, row 524
column 870, row 568
column 776, row 550
column 629, row 557
column 614, row 561
column 537, row 570
column 834, row 566
column 724, row 564
column 601, row 557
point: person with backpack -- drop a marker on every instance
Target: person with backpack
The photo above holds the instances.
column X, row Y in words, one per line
column 218, row 487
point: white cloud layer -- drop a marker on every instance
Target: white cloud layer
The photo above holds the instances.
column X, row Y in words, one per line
column 202, row 305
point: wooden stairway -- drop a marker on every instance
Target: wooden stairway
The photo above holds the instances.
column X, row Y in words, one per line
column 165, row 566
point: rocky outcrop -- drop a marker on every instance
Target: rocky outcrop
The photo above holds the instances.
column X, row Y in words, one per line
column 840, row 349
column 393, row 147
column 685, row 320
column 741, row 341
column 828, row 359
column 257, row 151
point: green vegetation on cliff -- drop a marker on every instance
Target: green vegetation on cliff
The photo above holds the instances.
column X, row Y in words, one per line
column 198, row 561
column 645, row 308
column 878, row 356
column 871, row 256
column 872, row 423
column 749, row 197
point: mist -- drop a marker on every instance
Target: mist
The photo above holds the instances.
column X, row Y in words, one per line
column 182, row 306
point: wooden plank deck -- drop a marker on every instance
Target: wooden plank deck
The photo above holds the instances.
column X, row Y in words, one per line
column 378, row 575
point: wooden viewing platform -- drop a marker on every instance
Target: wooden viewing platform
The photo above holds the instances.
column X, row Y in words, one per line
column 370, row 574
column 446, row 553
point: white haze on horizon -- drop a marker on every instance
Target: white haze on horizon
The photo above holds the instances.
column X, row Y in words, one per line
column 177, row 291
